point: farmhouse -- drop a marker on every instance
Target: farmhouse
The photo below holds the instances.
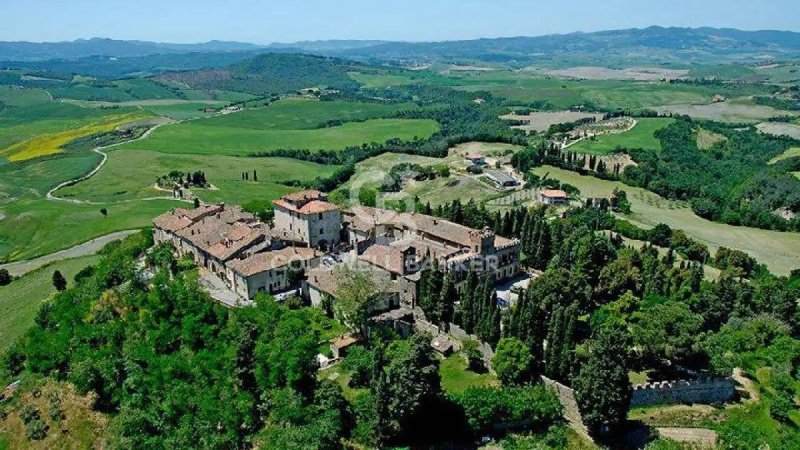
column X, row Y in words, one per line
column 474, row 160
column 553, row 197
column 501, row 179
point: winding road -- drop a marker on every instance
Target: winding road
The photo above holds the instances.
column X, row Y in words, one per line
column 99, row 150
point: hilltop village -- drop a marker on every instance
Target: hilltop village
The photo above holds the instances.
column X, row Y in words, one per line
column 310, row 238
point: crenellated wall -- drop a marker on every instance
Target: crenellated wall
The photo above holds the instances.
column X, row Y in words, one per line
column 701, row 390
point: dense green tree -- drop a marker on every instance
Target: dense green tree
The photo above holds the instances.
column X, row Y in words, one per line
column 512, row 361
column 59, row 282
column 602, row 387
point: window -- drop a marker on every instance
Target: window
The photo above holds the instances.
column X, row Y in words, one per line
column 319, row 216
column 321, row 231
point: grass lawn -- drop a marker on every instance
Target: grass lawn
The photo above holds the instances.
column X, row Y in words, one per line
column 778, row 250
column 20, row 300
column 641, row 136
column 343, row 379
column 131, row 174
column 457, row 378
column 35, row 227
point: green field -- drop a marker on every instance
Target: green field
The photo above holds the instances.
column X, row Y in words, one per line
column 641, row 136
column 35, row 227
column 287, row 124
column 131, row 174
column 778, row 250
column 522, row 86
column 20, row 300
column 33, row 178
column 793, row 152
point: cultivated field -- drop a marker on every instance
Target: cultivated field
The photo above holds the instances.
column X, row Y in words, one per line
column 286, row 125
column 779, row 251
column 131, row 174
column 51, row 143
column 780, row 129
column 20, row 300
column 540, row 121
column 631, row 73
column 724, row 111
column 527, row 86
column 641, row 136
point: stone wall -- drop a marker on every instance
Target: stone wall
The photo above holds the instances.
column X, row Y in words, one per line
column 572, row 413
column 701, row 390
column 455, row 334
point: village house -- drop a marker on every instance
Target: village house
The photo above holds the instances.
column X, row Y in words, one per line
column 270, row 271
column 553, row 197
column 308, row 217
column 405, row 240
column 324, row 281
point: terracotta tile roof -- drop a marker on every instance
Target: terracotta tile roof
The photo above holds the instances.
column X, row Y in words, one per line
column 312, row 207
column 262, row 262
column 234, row 240
column 385, row 257
column 365, row 218
column 317, row 206
column 172, row 221
column 556, row 193
column 231, row 224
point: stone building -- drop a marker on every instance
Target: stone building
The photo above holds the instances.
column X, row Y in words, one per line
column 271, row 271
column 406, row 240
column 308, row 217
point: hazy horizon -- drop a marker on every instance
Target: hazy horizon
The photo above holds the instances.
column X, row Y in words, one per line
column 182, row 21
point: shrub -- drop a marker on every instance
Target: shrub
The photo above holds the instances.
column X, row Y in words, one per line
column 487, row 408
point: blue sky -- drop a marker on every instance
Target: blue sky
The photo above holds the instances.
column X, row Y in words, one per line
column 268, row 21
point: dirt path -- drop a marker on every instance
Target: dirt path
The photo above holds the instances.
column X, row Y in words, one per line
column 99, row 150
column 702, row 437
column 747, row 385
column 19, row 268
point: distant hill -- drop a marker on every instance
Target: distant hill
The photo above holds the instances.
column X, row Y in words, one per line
column 271, row 73
column 656, row 45
column 652, row 45
column 82, row 48
column 335, row 45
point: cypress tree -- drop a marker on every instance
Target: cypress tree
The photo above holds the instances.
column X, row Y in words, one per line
column 555, row 334
column 468, row 301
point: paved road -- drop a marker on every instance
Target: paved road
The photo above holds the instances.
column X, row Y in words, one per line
column 19, row 268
